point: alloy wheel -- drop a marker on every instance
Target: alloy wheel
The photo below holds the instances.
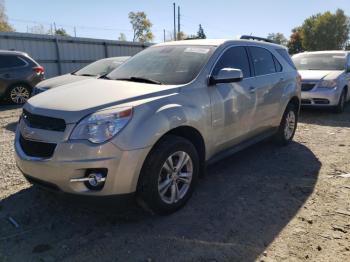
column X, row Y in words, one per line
column 19, row 94
column 175, row 177
column 290, row 125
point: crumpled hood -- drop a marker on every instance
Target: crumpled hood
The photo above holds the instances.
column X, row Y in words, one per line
column 76, row 100
column 319, row 74
column 60, row 80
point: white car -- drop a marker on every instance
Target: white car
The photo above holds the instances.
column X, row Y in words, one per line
column 325, row 78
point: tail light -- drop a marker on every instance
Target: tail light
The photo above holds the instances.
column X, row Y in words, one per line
column 39, row 70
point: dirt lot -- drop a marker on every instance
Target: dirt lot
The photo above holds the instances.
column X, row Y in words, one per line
column 263, row 204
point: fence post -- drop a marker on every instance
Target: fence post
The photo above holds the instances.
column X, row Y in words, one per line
column 106, row 49
column 58, row 55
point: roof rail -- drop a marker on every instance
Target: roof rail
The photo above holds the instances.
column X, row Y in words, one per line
column 256, row 38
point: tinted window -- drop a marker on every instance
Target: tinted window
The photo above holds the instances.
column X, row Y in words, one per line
column 235, row 57
column 263, row 61
column 286, row 56
column 277, row 65
column 8, row 61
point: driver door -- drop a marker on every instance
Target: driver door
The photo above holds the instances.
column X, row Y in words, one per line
column 232, row 104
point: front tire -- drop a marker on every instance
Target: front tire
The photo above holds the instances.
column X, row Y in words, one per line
column 287, row 126
column 169, row 175
column 18, row 94
column 341, row 104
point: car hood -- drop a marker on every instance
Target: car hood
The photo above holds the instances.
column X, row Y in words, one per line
column 76, row 100
column 319, row 74
column 60, row 80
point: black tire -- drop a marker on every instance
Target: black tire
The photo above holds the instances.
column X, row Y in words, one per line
column 281, row 137
column 153, row 171
column 341, row 104
column 23, row 91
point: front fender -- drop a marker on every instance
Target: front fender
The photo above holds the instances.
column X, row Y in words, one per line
column 151, row 122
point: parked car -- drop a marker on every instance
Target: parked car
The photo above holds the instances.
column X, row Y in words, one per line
column 149, row 128
column 325, row 78
column 95, row 70
column 19, row 73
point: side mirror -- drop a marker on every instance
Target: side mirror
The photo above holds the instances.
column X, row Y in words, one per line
column 226, row 75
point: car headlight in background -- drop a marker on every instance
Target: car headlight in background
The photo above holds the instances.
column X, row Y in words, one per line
column 327, row 84
column 102, row 125
column 38, row 90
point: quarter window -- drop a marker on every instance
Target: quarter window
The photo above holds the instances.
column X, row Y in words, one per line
column 263, row 61
column 235, row 57
column 9, row 61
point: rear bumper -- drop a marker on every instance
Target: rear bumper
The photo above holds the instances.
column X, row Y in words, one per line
column 320, row 97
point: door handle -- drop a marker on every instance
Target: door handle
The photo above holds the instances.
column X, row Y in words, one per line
column 252, row 89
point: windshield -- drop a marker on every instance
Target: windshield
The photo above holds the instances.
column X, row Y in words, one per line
column 167, row 65
column 320, row 61
column 101, row 67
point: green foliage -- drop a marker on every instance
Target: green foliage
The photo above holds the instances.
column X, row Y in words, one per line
column 181, row 36
column 278, row 38
column 200, row 33
column 4, row 25
column 295, row 43
column 141, row 26
column 325, row 31
column 61, row 31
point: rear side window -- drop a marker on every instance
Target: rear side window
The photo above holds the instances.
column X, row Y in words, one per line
column 286, row 56
column 263, row 61
column 234, row 57
column 9, row 61
column 277, row 64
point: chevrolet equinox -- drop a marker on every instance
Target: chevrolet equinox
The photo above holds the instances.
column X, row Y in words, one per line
column 150, row 126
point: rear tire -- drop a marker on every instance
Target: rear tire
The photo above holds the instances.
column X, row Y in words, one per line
column 341, row 104
column 165, row 185
column 18, row 94
column 287, row 126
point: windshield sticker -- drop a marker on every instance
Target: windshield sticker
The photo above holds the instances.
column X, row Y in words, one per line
column 197, row 50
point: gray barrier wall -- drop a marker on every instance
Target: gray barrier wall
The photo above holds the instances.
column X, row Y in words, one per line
column 60, row 55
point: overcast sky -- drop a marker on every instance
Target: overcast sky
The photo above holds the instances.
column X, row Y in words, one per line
column 220, row 18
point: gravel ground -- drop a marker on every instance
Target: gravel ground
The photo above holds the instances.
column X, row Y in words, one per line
column 263, row 204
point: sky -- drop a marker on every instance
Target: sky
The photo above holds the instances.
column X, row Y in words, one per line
column 106, row 19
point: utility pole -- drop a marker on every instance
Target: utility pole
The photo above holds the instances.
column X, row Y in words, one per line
column 54, row 26
column 164, row 35
column 174, row 21
column 178, row 21
column 75, row 31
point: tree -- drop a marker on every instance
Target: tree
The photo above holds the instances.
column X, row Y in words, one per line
column 141, row 26
column 325, row 31
column 4, row 25
column 61, row 32
column 347, row 46
column 122, row 37
column 200, row 33
column 278, row 38
column 295, row 43
column 38, row 29
column 181, row 35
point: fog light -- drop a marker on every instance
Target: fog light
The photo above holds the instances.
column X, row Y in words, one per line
column 95, row 178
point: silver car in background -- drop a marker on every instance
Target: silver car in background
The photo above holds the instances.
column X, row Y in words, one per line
column 150, row 126
column 96, row 69
column 325, row 78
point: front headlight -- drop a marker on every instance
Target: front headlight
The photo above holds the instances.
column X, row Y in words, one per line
column 102, row 125
column 327, row 84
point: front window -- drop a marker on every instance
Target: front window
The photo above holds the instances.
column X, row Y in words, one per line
column 100, row 67
column 320, row 61
column 168, row 65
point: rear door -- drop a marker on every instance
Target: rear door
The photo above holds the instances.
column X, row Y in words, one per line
column 232, row 104
column 268, row 88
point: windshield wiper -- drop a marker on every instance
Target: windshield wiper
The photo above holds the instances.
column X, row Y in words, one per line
column 86, row 75
column 140, row 79
column 104, row 77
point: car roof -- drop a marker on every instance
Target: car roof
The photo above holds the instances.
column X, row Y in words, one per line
column 10, row 52
column 218, row 42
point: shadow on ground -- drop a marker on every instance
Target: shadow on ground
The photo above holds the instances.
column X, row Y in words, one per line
column 237, row 210
column 325, row 117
